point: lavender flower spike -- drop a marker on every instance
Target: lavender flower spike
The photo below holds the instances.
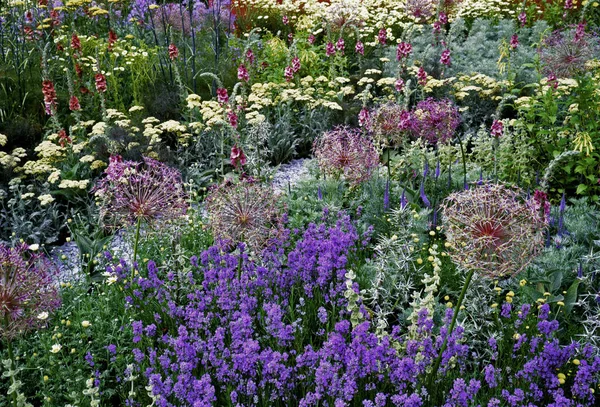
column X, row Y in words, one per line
column 423, row 196
column 403, row 200
column 386, row 196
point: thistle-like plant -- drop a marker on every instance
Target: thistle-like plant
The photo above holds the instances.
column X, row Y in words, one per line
column 244, row 211
column 387, row 124
column 564, row 53
column 346, row 152
column 132, row 193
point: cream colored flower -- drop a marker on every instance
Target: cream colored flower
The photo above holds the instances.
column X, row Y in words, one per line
column 56, row 348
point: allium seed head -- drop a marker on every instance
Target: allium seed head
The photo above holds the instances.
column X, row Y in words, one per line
column 245, row 211
column 27, row 290
column 565, row 53
column 150, row 191
column 493, row 229
column 344, row 151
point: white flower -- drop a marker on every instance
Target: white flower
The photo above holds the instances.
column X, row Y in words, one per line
column 43, row 316
column 86, row 324
column 45, row 199
column 34, row 247
column 56, row 348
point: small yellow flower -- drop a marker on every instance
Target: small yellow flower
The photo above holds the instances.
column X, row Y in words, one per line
column 432, row 233
column 509, row 299
column 449, row 305
column 494, row 305
column 447, row 298
column 560, row 304
column 576, row 362
column 420, row 260
column 510, row 294
column 522, row 283
column 46, row 378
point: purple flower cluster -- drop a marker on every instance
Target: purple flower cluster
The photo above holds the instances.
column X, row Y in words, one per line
column 434, row 120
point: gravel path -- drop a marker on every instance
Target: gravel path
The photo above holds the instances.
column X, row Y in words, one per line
column 66, row 257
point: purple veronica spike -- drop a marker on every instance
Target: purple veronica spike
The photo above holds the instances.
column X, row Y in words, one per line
column 480, row 178
column 466, row 186
column 386, row 196
column 580, row 271
column 437, row 170
column 403, row 200
column 423, row 196
column 319, row 194
column 435, row 217
column 426, row 169
column 563, row 203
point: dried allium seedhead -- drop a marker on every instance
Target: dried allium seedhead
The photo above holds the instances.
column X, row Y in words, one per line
column 27, row 291
column 565, row 53
column 344, row 151
column 385, row 124
column 435, row 120
column 421, row 10
column 245, row 211
column 492, row 229
column 150, row 191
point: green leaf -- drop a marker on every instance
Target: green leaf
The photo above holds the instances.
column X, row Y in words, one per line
column 571, row 296
column 581, row 188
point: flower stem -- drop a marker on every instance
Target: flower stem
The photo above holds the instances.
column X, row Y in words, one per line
column 438, row 361
column 135, row 247
column 464, row 161
column 13, row 367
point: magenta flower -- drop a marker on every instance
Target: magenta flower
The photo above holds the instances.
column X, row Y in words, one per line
column 514, row 41
column 173, row 52
column 492, row 229
column 329, row 49
column 243, row 74
column 296, row 64
column 360, row 48
column 28, row 292
column 233, row 118
column 382, row 36
column 523, row 18
column 222, row 96
column 237, row 157
column 497, row 128
column 340, row 45
column 285, row 20
column 288, row 73
column 250, row 56
column 443, row 18
column 435, row 121
column 399, row 85
column 445, row 58
column 311, row 39
column 422, row 76
column 363, row 117
column 131, row 191
column 437, row 27
column 568, row 4
column 345, row 152
column 403, row 50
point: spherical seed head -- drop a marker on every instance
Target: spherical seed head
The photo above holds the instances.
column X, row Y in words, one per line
column 345, row 151
column 27, row 290
column 150, row 191
column 435, row 121
column 492, row 229
column 385, row 125
column 245, row 211
column 565, row 53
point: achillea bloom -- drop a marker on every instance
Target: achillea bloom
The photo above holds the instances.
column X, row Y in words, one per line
column 385, row 124
column 565, row 53
column 150, row 191
column 27, row 291
column 245, row 211
column 435, row 120
column 173, row 52
column 74, row 104
column 100, row 82
column 360, row 48
column 403, row 50
column 222, row 96
column 492, row 229
column 242, row 73
column 345, row 152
